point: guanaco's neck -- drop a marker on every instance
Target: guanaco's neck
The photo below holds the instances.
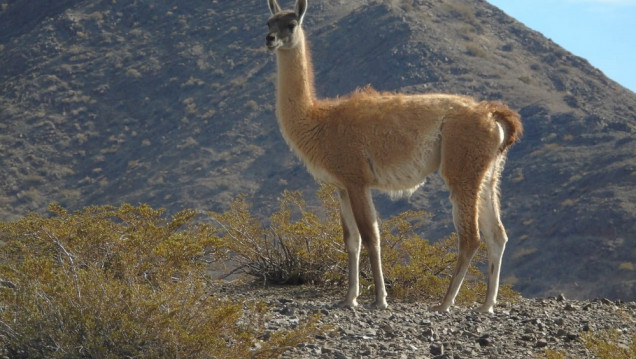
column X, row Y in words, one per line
column 295, row 94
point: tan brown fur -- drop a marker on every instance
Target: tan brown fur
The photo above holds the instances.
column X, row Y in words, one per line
column 377, row 140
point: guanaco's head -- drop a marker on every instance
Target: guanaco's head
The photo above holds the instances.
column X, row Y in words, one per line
column 284, row 26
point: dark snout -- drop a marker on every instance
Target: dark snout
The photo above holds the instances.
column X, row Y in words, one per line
column 270, row 41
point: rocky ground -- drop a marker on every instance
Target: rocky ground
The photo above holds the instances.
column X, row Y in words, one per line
column 524, row 329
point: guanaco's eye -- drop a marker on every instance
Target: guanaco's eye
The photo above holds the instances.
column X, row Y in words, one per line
column 291, row 26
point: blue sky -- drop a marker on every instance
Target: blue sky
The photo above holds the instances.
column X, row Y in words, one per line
column 601, row 31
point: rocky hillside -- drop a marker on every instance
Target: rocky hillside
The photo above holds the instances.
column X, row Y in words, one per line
column 171, row 103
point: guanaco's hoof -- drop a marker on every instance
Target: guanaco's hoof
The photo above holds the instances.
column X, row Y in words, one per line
column 490, row 309
column 440, row 308
column 348, row 304
column 379, row 305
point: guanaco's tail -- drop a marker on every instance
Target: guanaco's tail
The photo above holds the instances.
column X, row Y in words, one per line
column 509, row 119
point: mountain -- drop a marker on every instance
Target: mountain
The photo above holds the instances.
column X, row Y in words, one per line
column 172, row 103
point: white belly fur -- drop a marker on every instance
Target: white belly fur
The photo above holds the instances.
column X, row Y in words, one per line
column 402, row 179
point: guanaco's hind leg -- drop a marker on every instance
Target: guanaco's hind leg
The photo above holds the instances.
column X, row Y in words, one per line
column 465, row 219
column 352, row 245
column 493, row 231
column 469, row 147
column 361, row 205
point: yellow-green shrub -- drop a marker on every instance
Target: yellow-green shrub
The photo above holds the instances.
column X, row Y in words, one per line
column 121, row 282
column 554, row 354
column 606, row 345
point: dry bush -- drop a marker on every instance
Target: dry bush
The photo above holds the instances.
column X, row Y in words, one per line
column 120, row 283
column 298, row 246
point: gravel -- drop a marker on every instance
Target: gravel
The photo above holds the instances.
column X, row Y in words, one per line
column 524, row 329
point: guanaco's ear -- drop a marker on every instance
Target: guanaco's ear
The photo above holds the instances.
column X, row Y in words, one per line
column 300, row 9
column 274, row 8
